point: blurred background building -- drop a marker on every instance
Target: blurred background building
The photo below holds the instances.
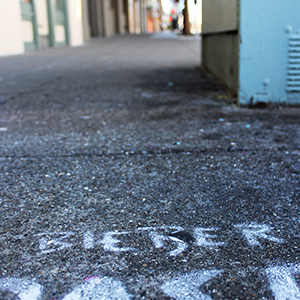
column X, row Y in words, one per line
column 36, row 24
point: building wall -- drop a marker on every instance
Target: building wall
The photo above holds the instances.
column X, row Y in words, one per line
column 86, row 30
column 11, row 41
column 137, row 16
column 42, row 17
column 42, row 22
column 219, row 15
column 220, row 40
column 104, row 17
column 143, row 16
column 137, row 24
column 20, row 31
column 220, row 55
column 121, row 23
column 27, row 31
column 60, row 35
column 109, row 18
column 100, row 17
column 75, row 22
column 123, row 19
column 266, row 27
column 131, row 16
column 95, row 17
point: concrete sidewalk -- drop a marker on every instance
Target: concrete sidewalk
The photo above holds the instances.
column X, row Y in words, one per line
column 127, row 173
column 174, row 35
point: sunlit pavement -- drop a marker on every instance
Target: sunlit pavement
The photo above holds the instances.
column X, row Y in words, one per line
column 127, row 173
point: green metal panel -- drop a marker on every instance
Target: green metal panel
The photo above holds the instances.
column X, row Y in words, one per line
column 29, row 46
column 57, row 15
column 51, row 23
column 67, row 35
column 35, row 27
column 28, row 13
column 60, row 44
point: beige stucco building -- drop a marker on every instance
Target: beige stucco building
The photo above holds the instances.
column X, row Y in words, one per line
column 36, row 24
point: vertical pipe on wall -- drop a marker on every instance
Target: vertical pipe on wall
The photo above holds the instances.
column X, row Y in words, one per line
column 100, row 18
column 117, row 16
column 51, row 23
column 35, row 27
column 103, row 17
column 67, row 34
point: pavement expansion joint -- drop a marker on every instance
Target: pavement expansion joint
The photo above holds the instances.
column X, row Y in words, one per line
column 169, row 151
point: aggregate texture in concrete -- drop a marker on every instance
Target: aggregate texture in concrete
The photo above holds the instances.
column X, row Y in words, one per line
column 128, row 173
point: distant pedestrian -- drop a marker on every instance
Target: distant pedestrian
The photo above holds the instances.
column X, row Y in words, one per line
column 175, row 23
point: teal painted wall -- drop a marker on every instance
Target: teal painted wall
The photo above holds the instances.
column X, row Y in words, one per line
column 265, row 27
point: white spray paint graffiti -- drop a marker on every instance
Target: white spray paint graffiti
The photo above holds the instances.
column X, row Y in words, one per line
column 253, row 232
column 99, row 288
column 110, row 243
column 204, row 239
column 49, row 244
column 158, row 241
column 88, row 240
column 162, row 236
column 181, row 246
column 24, row 289
column 282, row 283
column 178, row 228
column 187, row 285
